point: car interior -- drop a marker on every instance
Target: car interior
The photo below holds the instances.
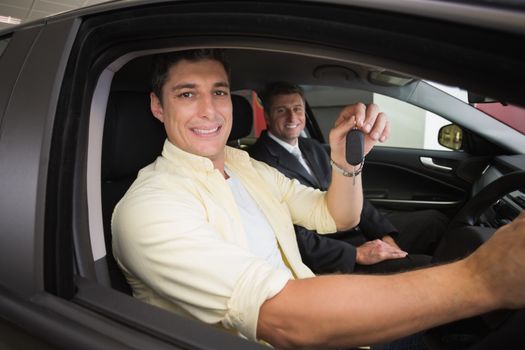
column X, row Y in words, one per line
column 124, row 137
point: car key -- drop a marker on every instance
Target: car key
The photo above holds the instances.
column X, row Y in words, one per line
column 355, row 143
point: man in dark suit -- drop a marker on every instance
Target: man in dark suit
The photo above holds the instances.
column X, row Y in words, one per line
column 373, row 246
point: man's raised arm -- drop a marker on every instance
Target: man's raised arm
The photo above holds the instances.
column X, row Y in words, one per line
column 375, row 126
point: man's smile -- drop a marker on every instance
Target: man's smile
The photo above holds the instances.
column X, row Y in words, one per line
column 210, row 131
column 291, row 126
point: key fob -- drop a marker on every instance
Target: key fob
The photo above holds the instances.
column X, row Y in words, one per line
column 355, row 145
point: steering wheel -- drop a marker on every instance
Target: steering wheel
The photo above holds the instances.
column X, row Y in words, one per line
column 463, row 236
column 472, row 210
column 498, row 329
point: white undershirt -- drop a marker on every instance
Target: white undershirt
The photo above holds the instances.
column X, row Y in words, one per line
column 259, row 233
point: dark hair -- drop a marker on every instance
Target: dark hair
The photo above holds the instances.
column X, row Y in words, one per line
column 164, row 61
column 278, row 88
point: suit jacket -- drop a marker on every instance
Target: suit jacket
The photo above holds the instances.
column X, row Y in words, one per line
column 372, row 224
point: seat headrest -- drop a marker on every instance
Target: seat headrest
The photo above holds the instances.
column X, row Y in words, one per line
column 133, row 137
column 242, row 118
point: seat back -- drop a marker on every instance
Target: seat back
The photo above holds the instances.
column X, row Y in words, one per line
column 242, row 123
column 132, row 139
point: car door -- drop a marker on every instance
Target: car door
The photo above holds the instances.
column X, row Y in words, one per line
column 49, row 295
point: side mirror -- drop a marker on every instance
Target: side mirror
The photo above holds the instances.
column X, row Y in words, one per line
column 451, row 136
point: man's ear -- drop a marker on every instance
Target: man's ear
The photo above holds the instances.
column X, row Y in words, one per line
column 156, row 107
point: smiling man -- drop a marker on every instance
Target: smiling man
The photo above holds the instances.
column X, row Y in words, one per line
column 376, row 244
column 207, row 232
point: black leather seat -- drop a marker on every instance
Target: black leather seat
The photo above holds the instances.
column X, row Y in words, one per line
column 132, row 139
column 242, row 121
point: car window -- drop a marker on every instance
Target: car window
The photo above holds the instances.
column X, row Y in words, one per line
column 412, row 127
column 3, row 44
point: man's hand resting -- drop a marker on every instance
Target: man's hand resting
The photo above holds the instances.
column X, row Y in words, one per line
column 376, row 251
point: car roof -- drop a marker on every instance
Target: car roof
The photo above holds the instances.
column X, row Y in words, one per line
column 506, row 15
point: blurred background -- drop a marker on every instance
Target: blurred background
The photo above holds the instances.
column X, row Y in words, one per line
column 13, row 12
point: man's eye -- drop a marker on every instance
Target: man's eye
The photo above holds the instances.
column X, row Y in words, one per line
column 186, row 94
column 298, row 110
column 221, row 93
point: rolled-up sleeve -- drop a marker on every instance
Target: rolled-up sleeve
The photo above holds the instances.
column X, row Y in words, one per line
column 164, row 241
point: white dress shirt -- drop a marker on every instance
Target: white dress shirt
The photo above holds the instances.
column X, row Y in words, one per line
column 294, row 150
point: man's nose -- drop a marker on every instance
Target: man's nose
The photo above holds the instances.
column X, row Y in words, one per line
column 290, row 115
column 206, row 106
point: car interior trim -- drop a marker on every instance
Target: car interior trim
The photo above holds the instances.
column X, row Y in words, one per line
column 416, row 202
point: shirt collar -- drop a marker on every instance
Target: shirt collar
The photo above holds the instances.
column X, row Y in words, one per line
column 175, row 155
column 284, row 144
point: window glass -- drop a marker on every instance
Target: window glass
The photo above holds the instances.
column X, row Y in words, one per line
column 411, row 126
column 511, row 115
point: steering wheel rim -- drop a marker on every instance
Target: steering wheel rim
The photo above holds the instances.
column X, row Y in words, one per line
column 495, row 190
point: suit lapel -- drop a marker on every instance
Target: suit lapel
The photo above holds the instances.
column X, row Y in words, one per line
column 311, row 155
column 288, row 163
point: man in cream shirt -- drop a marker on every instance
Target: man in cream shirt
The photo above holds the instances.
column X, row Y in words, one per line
column 179, row 237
